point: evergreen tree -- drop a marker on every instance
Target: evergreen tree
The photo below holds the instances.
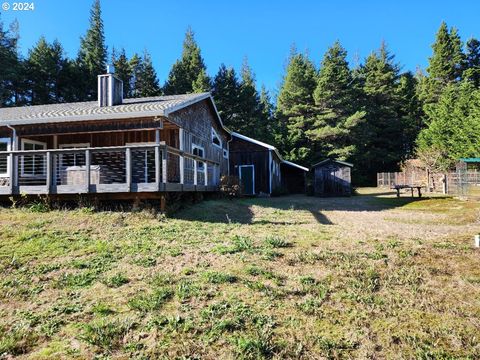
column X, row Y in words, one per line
column 445, row 65
column 268, row 127
column 202, row 83
column 147, row 81
column 454, row 125
column 92, row 56
column 48, row 73
column 123, row 70
column 337, row 115
column 10, row 66
column 250, row 108
column 226, row 92
column 187, row 70
column 380, row 141
column 472, row 62
column 296, row 108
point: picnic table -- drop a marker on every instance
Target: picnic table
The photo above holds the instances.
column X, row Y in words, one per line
column 411, row 187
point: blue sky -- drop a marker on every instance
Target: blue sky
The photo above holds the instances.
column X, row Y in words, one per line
column 264, row 31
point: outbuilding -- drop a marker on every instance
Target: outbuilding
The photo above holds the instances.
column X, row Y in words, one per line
column 332, row 178
column 261, row 169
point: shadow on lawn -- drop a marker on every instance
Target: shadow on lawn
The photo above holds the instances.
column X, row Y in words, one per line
column 240, row 210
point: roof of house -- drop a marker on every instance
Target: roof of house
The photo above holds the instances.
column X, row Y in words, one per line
column 81, row 111
column 268, row 146
column 326, row 161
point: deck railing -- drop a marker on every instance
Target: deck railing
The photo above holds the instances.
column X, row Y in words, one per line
column 133, row 168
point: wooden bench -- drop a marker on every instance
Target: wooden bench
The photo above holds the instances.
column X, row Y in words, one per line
column 411, row 187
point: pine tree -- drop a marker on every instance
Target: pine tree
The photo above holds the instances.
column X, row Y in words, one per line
column 337, row 115
column 48, row 73
column 380, row 140
column 472, row 62
column 147, row 81
column 226, row 92
column 454, row 126
column 123, row 70
column 92, row 56
column 202, row 83
column 135, row 79
column 250, row 108
column 10, row 66
column 296, row 108
column 187, row 70
column 445, row 65
column 268, row 127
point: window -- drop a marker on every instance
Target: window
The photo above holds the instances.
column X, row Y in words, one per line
column 4, row 146
column 72, row 159
column 216, row 139
column 199, row 151
column 33, row 165
column 225, row 154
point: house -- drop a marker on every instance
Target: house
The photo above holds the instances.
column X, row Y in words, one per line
column 261, row 168
column 127, row 147
column 332, row 178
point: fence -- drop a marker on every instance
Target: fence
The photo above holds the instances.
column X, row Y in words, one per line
column 134, row 168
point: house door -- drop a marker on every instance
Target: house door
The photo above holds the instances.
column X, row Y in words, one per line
column 247, row 178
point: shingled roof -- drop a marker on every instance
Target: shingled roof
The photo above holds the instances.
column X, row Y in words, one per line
column 79, row 111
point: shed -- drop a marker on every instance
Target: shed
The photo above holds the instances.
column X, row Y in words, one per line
column 261, row 168
column 332, row 178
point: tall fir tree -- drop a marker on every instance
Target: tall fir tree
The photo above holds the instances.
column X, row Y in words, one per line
column 92, row 56
column 122, row 70
column 48, row 73
column 269, row 126
column 11, row 69
column 187, row 70
column 380, row 139
column 202, row 83
column 337, row 113
column 147, row 81
column 445, row 64
column 250, row 108
column 226, row 92
column 136, row 64
column 472, row 62
column 296, row 108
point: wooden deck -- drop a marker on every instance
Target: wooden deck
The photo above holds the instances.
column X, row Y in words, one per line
column 121, row 169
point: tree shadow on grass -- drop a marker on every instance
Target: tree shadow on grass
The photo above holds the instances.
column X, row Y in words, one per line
column 240, row 210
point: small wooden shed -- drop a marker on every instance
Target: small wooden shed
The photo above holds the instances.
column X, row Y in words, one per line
column 332, row 178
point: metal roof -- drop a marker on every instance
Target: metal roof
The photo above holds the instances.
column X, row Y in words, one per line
column 82, row 111
column 270, row 147
column 470, row 160
column 333, row 160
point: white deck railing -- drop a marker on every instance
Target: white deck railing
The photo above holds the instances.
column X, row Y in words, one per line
column 119, row 169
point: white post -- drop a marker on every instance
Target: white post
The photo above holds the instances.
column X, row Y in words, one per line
column 194, row 172
column 87, row 170
column 205, row 176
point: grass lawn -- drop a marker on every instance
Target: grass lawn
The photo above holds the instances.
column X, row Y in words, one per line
column 370, row 276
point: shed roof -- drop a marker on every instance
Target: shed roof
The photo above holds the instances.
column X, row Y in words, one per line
column 470, row 160
column 82, row 111
column 326, row 161
column 268, row 146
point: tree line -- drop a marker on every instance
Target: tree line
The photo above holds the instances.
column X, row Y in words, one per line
column 372, row 114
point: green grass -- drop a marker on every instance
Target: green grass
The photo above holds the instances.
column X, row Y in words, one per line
column 296, row 277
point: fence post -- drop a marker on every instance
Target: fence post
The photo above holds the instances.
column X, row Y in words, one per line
column 87, row 170
column 48, row 177
column 195, row 172
column 13, row 172
column 157, row 167
column 128, row 164
column 182, row 169
column 164, row 165
column 205, row 165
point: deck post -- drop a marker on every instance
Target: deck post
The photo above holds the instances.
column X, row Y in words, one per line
column 181, row 141
column 13, row 172
column 182, row 169
column 158, row 173
column 87, row 170
column 195, row 172
column 164, row 165
column 128, row 165
column 205, row 166
column 49, row 172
